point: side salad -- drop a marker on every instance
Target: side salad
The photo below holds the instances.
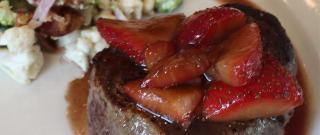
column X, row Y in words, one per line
column 29, row 28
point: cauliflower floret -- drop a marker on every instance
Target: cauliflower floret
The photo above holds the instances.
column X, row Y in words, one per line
column 131, row 8
column 106, row 14
column 148, row 6
column 7, row 16
column 22, row 60
column 75, row 55
column 84, row 45
column 69, row 38
column 99, row 46
column 81, row 49
column 22, row 66
column 91, row 34
column 18, row 39
column 118, row 13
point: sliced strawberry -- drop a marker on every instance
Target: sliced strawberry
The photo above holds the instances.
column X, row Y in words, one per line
column 176, row 103
column 157, row 51
column 239, row 57
column 209, row 25
column 273, row 92
column 132, row 37
column 181, row 67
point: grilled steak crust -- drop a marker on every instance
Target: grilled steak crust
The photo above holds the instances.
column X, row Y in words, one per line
column 111, row 112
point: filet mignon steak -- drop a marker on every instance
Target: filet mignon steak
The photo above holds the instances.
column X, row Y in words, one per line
column 111, row 112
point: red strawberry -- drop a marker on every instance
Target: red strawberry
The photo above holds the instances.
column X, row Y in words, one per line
column 239, row 57
column 157, row 51
column 181, row 67
column 177, row 103
column 210, row 25
column 272, row 93
column 132, row 37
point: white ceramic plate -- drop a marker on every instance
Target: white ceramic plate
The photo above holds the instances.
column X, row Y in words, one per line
column 39, row 108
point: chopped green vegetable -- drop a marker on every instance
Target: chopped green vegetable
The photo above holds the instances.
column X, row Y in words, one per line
column 166, row 6
column 7, row 16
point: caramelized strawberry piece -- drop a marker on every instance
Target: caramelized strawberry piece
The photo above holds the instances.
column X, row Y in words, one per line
column 181, row 67
column 273, row 92
column 240, row 56
column 210, row 25
column 157, row 51
column 177, row 103
column 132, row 37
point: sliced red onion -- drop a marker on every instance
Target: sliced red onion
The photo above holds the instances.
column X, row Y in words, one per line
column 41, row 12
column 119, row 14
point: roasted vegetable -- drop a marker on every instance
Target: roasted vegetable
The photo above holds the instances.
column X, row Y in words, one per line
column 166, row 6
column 7, row 16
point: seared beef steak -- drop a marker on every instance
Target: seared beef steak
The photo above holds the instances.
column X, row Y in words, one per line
column 110, row 111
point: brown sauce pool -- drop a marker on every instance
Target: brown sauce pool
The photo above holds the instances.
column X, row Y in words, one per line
column 76, row 97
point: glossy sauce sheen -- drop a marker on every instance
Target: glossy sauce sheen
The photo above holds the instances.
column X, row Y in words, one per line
column 77, row 105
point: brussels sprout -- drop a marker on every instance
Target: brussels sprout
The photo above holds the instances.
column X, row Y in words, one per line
column 165, row 6
column 7, row 16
